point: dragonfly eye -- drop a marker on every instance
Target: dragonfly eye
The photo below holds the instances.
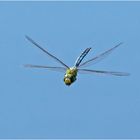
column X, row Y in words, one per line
column 67, row 81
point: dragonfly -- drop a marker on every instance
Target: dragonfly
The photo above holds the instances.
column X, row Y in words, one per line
column 70, row 75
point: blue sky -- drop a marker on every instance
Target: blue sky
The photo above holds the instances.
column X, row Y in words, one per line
column 35, row 103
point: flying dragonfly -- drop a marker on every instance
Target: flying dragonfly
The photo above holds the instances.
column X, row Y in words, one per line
column 71, row 72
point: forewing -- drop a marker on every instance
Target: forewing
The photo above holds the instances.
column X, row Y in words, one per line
column 52, row 56
column 60, row 69
column 98, row 57
column 103, row 72
column 81, row 57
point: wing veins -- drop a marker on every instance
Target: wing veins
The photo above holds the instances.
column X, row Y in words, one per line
column 100, row 56
column 46, row 67
column 104, row 72
column 52, row 56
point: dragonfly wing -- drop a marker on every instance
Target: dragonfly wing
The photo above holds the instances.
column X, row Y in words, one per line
column 52, row 56
column 81, row 57
column 103, row 72
column 60, row 69
column 99, row 57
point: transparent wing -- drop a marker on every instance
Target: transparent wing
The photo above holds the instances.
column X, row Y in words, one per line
column 103, row 72
column 52, row 56
column 60, row 69
column 98, row 57
column 81, row 57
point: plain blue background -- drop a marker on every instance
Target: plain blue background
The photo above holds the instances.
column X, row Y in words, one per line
column 35, row 103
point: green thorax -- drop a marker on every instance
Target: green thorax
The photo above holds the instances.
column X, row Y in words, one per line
column 72, row 72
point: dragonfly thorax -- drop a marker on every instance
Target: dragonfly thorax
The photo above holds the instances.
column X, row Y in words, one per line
column 70, row 75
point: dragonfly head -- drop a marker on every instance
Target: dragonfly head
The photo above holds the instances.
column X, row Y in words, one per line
column 67, row 81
